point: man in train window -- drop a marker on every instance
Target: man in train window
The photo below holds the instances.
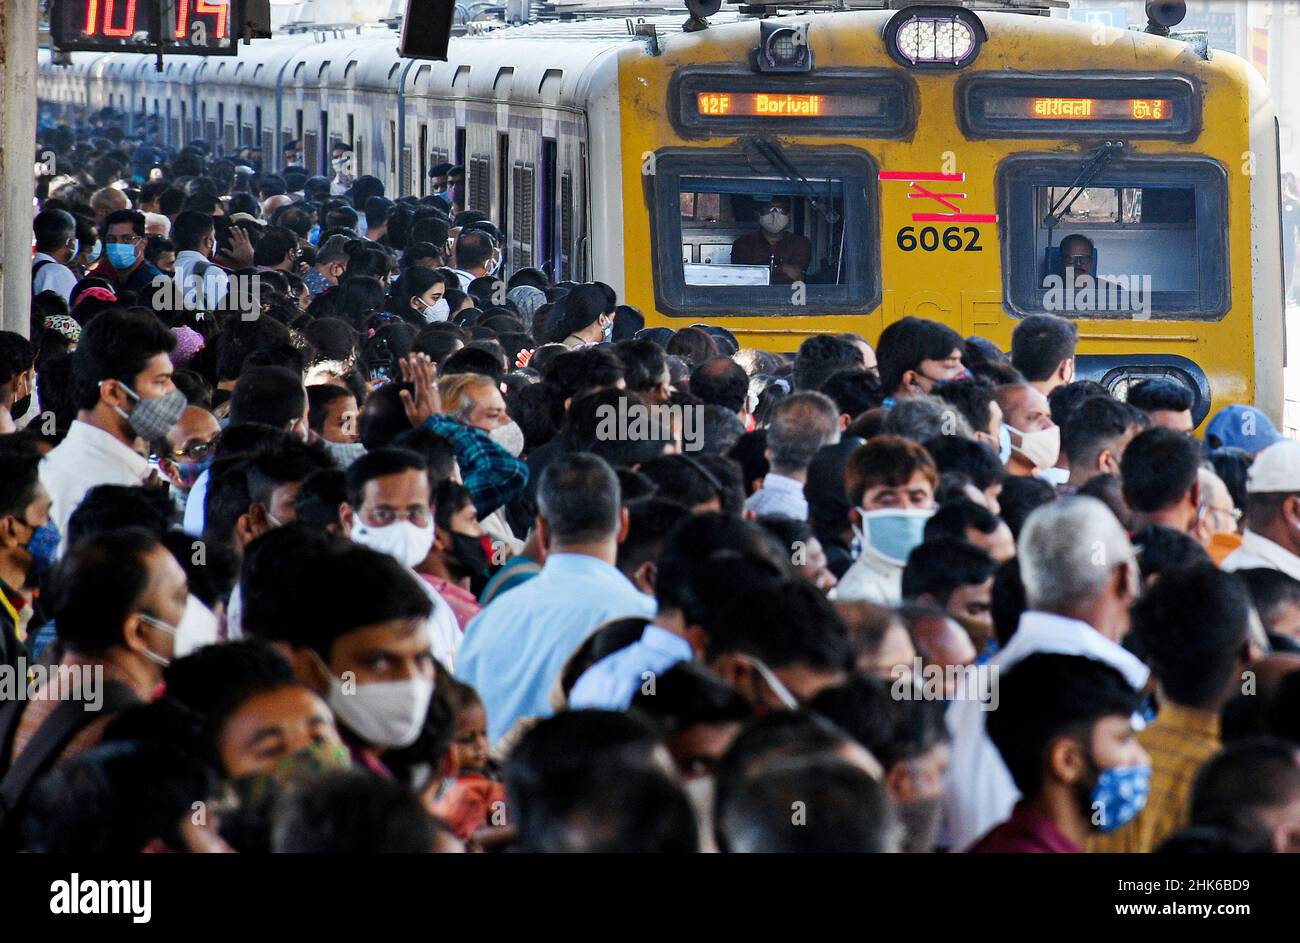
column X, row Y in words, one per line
column 1077, row 255
column 438, row 178
column 787, row 253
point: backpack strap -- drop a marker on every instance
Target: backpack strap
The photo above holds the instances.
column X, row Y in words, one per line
column 40, row 265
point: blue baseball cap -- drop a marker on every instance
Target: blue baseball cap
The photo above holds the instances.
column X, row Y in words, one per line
column 1241, row 427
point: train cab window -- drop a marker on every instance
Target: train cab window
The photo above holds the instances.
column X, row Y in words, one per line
column 1138, row 241
column 756, row 241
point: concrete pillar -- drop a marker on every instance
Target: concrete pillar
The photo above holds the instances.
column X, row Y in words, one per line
column 18, row 31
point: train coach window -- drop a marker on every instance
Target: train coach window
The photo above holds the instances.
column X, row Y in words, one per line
column 1141, row 239
column 761, row 241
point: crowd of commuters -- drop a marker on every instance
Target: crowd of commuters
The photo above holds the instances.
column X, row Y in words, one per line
column 313, row 518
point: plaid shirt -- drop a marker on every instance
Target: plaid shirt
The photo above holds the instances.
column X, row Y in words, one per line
column 493, row 476
column 1180, row 740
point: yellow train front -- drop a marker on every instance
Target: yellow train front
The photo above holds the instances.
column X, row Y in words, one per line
column 935, row 162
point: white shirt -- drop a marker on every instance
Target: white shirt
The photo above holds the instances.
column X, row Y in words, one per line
column 980, row 791
column 1258, row 552
column 215, row 280
column 87, row 457
column 465, row 279
column 872, row 578
column 53, row 277
column 780, row 496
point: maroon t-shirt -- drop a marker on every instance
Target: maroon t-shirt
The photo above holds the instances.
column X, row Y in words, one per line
column 1028, row 831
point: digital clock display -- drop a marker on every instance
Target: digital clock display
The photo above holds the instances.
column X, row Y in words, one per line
column 188, row 27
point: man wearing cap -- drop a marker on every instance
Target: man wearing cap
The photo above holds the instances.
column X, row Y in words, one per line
column 1241, row 427
column 331, row 261
column 1272, row 537
column 771, row 244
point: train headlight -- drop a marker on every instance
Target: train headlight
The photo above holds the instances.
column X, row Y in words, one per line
column 934, row 37
column 783, row 48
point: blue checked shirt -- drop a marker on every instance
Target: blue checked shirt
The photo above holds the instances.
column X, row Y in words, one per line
column 492, row 475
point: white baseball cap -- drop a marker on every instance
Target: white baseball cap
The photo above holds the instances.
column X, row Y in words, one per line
column 1276, row 470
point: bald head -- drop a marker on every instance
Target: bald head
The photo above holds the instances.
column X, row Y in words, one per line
column 106, row 201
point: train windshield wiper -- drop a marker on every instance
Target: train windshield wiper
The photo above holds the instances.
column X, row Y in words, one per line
column 1093, row 164
column 772, row 152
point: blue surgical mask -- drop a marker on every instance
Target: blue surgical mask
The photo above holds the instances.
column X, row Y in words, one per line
column 893, row 533
column 1004, row 444
column 609, row 330
column 1120, row 794
column 121, row 257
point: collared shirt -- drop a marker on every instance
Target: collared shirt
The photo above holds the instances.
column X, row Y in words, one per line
column 611, row 683
column 516, row 647
column 780, row 496
column 87, row 457
column 980, row 790
column 1180, row 741
column 140, row 281
column 52, row 277
column 215, row 280
column 461, row 600
column 872, row 578
column 465, row 278
column 444, row 630
column 514, row 572
column 492, row 475
column 193, row 521
column 1027, row 831
column 1258, row 552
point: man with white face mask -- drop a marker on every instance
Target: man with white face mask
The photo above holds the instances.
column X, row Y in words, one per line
column 1035, row 440
column 387, row 509
column 772, row 244
column 890, row 484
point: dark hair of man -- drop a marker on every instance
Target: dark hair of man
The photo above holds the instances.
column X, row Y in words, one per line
column 239, row 338
column 473, row 249
column 1097, row 424
column 578, row 497
column 889, row 460
column 1269, row 589
column 905, row 343
column 1158, row 468
column 285, row 356
column 693, row 345
column 854, row 816
column 135, row 218
column 274, row 570
column 190, row 229
column 316, row 504
column 1192, row 625
column 893, row 730
column 1020, row 496
column 438, row 453
column 649, row 522
column 684, row 561
column 1160, row 549
column 941, row 566
column 380, row 463
column 276, row 243
column 1160, row 393
column 383, row 417
column 94, row 804
column 1109, row 490
column 577, row 371
column 1040, row 342
column 116, row 345
column 821, row 356
column 854, row 391
column 271, row 395
column 972, row 397
column 109, row 508
column 170, row 202
column 720, row 381
column 97, row 585
column 976, row 460
column 200, row 681
column 1007, row 602
column 53, row 228
column 290, row 461
column 682, row 479
column 18, row 478
column 687, row 695
column 473, row 360
column 783, row 624
column 1066, row 398
column 350, row 812
column 1232, row 465
column 1048, row 696
column 449, row 499
column 1243, row 780
column 319, row 398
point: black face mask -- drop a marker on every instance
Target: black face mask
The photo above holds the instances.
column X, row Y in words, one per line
column 471, row 558
column 20, row 407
